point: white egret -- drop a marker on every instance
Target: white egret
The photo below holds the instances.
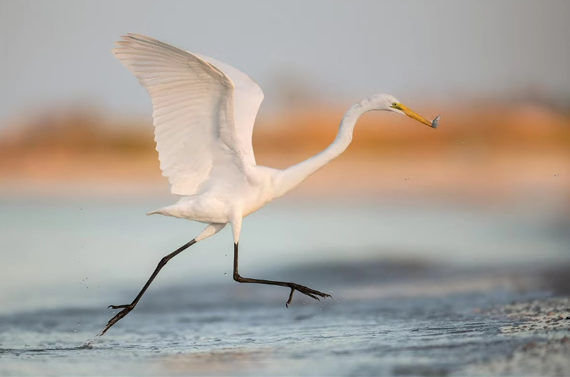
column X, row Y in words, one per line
column 203, row 115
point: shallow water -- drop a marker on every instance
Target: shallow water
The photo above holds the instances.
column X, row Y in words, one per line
column 242, row 330
column 392, row 313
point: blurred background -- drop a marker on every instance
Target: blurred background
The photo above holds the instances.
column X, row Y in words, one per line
column 78, row 168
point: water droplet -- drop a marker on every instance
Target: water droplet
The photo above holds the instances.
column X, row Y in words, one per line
column 225, row 274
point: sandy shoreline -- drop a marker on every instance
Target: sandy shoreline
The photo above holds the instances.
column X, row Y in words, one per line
column 433, row 177
column 490, row 152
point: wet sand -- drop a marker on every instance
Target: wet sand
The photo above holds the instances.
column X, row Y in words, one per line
column 547, row 322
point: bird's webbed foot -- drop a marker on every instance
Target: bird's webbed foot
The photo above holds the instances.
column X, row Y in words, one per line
column 306, row 291
column 126, row 310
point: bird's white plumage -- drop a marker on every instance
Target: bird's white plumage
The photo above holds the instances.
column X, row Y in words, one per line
column 203, row 111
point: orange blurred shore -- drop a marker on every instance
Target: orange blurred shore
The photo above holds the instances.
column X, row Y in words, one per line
column 483, row 152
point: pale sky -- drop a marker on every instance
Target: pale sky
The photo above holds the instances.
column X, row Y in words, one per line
column 58, row 52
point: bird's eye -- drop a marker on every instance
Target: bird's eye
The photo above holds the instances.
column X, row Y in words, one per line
column 394, row 104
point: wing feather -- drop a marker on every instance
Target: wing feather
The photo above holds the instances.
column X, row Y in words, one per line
column 203, row 110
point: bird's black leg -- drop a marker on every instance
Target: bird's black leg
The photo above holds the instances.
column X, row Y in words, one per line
column 294, row 286
column 128, row 307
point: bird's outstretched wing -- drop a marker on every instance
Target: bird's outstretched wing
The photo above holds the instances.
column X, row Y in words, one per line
column 203, row 110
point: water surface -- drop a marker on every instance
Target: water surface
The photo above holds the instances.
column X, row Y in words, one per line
column 411, row 285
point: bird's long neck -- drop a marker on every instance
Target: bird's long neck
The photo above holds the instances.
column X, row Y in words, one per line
column 289, row 178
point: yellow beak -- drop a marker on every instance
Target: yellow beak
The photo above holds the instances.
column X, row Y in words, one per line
column 412, row 114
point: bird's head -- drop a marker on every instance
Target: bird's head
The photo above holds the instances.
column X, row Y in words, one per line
column 388, row 102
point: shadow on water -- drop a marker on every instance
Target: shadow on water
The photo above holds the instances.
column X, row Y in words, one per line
column 19, row 351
